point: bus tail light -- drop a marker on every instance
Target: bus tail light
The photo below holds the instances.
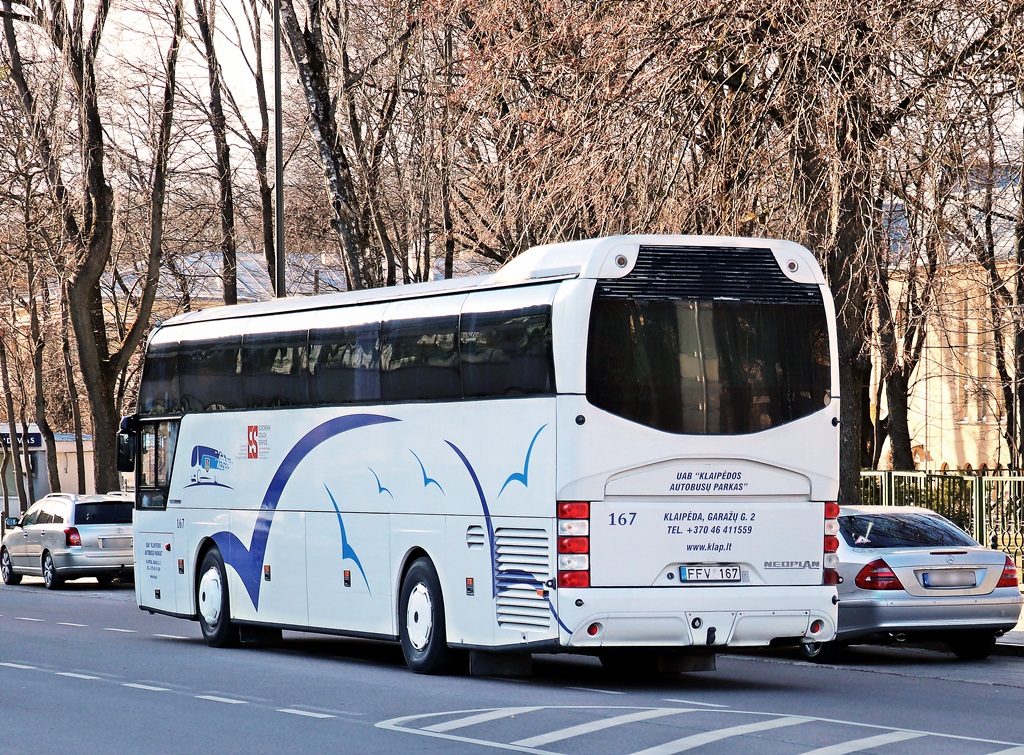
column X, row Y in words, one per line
column 830, row 575
column 72, row 536
column 573, row 544
column 878, row 576
column 1009, row 575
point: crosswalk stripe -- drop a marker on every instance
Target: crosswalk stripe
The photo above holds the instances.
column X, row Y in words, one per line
column 697, row 740
column 592, row 726
column 867, row 743
column 479, row 718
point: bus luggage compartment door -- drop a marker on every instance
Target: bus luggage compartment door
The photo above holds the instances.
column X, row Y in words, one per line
column 156, row 571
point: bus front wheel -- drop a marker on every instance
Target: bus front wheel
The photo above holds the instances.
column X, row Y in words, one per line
column 212, row 602
column 421, row 621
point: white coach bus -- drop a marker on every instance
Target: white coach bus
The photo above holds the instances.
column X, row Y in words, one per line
column 625, row 447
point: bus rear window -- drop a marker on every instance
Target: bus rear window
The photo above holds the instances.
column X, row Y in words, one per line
column 708, row 367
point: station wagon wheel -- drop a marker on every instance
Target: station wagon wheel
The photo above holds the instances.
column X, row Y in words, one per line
column 421, row 621
column 7, row 569
column 212, row 602
column 973, row 646
column 51, row 578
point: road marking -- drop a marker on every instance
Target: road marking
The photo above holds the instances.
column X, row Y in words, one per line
column 695, row 702
column 216, row 699
column 19, row 665
column 170, row 637
column 306, row 713
column 72, row 675
column 479, row 718
column 708, row 737
column 70, row 624
column 28, row 618
column 882, row 736
column 592, row 726
column 592, row 689
column 867, row 743
column 147, row 687
column 115, row 629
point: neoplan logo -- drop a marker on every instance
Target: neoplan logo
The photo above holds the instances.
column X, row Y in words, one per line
column 792, row 564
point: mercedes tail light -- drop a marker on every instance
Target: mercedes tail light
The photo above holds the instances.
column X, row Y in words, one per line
column 1009, row 575
column 878, row 576
column 573, row 544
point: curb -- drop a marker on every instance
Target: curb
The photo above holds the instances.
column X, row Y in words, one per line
column 1009, row 649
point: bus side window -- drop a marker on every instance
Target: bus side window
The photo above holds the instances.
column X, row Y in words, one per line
column 274, row 370
column 157, row 441
column 210, row 375
column 344, row 364
column 419, row 360
column 507, row 353
column 159, row 393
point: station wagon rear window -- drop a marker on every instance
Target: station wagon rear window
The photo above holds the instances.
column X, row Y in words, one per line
column 119, row 512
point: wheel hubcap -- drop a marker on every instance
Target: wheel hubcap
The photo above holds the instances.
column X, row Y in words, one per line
column 48, row 569
column 210, row 596
column 419, row 617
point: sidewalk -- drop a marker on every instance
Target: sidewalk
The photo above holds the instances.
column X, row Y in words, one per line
column 1012, row 643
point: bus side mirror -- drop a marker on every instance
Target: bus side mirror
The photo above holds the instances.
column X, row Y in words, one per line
column 125, row 452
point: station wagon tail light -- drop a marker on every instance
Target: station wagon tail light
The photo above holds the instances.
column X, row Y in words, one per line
column 1009, row 575
column 573, row 544
column 71, row 536
column 830, row 574
column 878, row 576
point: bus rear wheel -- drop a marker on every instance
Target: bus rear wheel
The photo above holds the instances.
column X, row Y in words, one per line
column 421, row 621
column 212, row 602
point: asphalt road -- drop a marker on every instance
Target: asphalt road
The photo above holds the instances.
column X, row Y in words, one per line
column 84, row 670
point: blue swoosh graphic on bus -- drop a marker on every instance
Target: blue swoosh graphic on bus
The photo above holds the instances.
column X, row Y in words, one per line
column 510, row 576
column 524, row 476
column 380, row 488
column 487, row 515
column 346, row 550
column 427, row 481
column 248, row 561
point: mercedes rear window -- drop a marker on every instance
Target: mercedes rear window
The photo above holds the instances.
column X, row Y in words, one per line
column 901, row 530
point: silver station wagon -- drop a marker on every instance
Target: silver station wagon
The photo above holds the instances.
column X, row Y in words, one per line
column 64, row 537
column 908, row 574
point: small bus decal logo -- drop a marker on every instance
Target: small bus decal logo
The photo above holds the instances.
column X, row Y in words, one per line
column 254, row 441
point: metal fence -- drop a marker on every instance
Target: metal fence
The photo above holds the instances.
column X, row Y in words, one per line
column 990, row 507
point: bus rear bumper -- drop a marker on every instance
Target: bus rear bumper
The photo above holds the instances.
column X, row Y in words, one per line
column 708, row 617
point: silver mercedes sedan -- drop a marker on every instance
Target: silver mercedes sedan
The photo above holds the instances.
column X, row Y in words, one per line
column 908, row 574
column 64, row 536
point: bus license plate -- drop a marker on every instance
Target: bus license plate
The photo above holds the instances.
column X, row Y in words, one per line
column 723, row 573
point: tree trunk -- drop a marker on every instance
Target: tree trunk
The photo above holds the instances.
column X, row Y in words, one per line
column 218, row 124
column 12, row 429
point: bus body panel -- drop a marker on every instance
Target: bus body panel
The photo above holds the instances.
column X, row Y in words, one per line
column 355, row 590
column 306, row 497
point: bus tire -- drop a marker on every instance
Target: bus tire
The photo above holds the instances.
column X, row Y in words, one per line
column 421, row 621
column 821, row 652
column 51, row 578
column 973, row 646
column 212, row 603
